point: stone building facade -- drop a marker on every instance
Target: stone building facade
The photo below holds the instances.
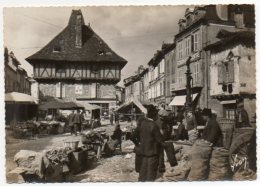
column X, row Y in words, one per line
column 16, row 78
column 233, row 73
column 197, row 30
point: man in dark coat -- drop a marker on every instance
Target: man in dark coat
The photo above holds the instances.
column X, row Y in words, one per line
column 71, row 122
column 242, row 119
column 166, row 130
column 212, row 131
column 150, row 141
column 77, row 122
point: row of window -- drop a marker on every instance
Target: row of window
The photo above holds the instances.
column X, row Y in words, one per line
column 157, row 90
column 188, row 45
column 155, row 73
column 15, row 86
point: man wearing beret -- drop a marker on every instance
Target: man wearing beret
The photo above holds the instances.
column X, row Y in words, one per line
column 148, row 137
column 212, row 131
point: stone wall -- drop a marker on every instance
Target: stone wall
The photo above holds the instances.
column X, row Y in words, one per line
column 107, row 91
column 104, row 90
column 47, row 89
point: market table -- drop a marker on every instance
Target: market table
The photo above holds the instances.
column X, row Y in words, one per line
column 50, row 127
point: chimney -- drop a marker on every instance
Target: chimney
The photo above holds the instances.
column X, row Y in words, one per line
column 78, row 28
column 76, row 22
column 239, row 17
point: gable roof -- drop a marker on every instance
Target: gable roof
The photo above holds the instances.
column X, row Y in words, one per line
column 159, row 55
column 93, row 48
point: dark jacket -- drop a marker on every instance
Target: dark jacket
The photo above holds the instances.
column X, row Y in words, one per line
column 150, row 137
column 117, row 135
column 212, row 133
column 165, row 128
column 78, row 118
column 71, row 119
column 242, row 119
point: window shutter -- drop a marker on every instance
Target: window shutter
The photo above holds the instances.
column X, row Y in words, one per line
column 220, row 73
column 63, row 91
column 93, row 90
column 192, row 43
column 58, row 90
column 231, row 71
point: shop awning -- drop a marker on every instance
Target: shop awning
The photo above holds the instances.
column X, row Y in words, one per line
column 17, row 97
column 88, row 106
column 180, row 100
column 60, row 104
column 228, row 102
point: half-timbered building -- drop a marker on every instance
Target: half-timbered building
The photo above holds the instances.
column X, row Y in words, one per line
column 77, row 65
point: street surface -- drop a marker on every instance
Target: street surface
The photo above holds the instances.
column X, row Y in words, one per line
column 116, row 168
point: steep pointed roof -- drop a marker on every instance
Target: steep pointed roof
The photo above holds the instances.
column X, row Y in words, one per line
column 64, row 46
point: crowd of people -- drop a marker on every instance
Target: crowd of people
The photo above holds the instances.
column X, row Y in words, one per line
column 156, row 128
column 77, row 120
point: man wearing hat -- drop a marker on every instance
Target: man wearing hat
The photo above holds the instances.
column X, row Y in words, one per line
column 148, row 137
column 166, row 129
column 242, row 119
column 212, row 131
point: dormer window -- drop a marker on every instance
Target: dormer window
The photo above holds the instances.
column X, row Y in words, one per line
column 101, row 53
column 57, row 49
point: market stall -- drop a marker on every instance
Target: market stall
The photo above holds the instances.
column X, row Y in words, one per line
column 19, row 107
column 131, row 110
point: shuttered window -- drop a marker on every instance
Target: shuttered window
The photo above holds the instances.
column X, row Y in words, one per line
column 93, row 90
column 58, row 90
column 230, row 72
column 226, row 72
column 221, row 73
column 63, row 92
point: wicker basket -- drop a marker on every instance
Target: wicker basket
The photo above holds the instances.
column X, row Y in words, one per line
column 72, row 144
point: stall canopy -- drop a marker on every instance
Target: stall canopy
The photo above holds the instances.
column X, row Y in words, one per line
column 89, row 106
column 59, row 104
column 180, row 100
column 128, row 105
column 17, row 97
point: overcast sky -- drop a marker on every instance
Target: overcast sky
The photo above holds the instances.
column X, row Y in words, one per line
column 134, row 33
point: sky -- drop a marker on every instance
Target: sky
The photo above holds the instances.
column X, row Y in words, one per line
column 133, row 32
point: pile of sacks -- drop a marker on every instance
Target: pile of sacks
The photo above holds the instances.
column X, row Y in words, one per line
column 181, row 171
column 193, row 135
column 219, row 165
column 200, row 162
column 209, row 163
column 43, row 166
column 200, row 156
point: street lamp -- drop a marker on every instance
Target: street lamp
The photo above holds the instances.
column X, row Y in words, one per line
column 188, row 104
